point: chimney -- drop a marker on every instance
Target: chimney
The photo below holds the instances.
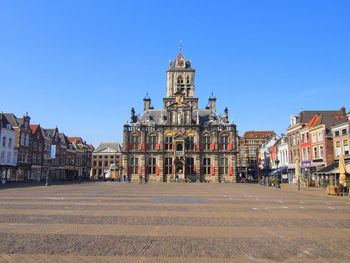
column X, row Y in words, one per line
column 343, row 111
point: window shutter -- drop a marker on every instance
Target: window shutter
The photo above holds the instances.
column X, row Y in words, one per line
column 157, row 170
column 140, row 147
column 212, row 170
column 229, row 146
column 140, row 170
column 201, row 146
column 158, row 146
column 230, row 170
column 212, row 146
column 195, row 147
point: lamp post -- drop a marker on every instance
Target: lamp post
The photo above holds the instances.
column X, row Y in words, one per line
column 277, row 182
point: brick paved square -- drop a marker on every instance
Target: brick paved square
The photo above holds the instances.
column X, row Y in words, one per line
column 126, row 222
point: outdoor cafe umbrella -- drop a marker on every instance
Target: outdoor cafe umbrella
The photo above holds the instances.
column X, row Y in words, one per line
column 342, row 171
column 297, row 172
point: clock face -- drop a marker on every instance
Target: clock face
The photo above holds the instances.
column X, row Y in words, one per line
column 179, row 99
column 180, row 63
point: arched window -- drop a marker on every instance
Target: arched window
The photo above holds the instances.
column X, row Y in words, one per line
column 180, row 80
column 179, row 147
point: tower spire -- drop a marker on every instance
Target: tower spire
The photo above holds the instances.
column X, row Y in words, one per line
column 180, row 46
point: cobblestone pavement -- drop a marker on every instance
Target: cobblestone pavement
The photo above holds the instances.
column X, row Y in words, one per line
column 122, row 222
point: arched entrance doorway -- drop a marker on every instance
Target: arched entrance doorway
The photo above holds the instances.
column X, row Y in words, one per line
column 179, row 169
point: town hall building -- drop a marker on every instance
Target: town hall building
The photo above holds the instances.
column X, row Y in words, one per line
column 180, row 142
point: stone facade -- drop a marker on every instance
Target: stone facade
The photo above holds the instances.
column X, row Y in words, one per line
column 106, row 157
column 180, row 141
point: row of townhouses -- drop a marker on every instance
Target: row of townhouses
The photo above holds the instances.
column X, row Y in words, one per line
column 31, row 152
column 315, row 138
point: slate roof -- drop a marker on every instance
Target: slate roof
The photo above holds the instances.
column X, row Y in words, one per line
column 63, row 138
column 4, row 121
column 306, row 116
column 112, row 145
column 12, row 119
column 327, row 120
column 51, row 132
column 155, row 116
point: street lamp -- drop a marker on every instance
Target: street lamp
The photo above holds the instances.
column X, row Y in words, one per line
column 277, row 182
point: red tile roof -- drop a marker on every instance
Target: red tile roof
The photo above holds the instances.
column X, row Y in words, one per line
column 314, row 120
column 34, row 127
column 75, row 139
column 258, row 134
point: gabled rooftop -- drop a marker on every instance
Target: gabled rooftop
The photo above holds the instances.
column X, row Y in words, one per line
column 258, row 134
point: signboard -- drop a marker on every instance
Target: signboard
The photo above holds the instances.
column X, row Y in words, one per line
column 306, row 164
column 53, row 151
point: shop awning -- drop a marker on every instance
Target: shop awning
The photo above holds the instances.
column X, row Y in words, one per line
column 333, row 169
column 280, row 169
column 336, row 170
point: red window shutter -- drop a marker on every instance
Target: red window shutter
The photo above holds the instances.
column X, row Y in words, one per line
column 129, row 147
column 173, row 169
column 173, row 146
column 139, row 170
column 212, row 170
column 140, row 147
column 146, row 146
column 195, row 147
column 201, row 146
column 157, row 170
column 230, row 170
column 218, row 146
column 212, row 146
column 194, row 169
column 158, row 146
column 229, row 146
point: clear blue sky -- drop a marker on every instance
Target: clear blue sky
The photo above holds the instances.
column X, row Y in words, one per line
column 81, row 65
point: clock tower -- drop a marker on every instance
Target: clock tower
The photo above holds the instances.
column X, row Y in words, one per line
column 180, row 81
